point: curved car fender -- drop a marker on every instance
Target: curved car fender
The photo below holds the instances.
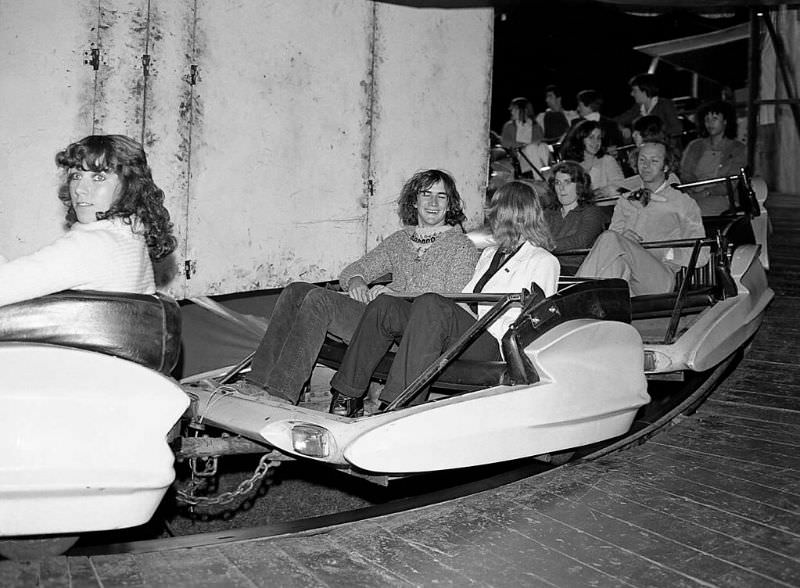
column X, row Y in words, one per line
column 592, row 383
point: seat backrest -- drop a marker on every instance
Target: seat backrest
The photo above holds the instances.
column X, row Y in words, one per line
column 143, row 328
column 607, row 299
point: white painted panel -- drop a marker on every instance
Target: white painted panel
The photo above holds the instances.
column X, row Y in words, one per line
column 46, row 96
column 145, row 49
column 167, row 121
column 119, row 91
column 279, row 142
column 431, row 104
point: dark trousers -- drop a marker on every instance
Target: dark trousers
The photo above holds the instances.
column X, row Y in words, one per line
column 424, row 328
column 302, row 316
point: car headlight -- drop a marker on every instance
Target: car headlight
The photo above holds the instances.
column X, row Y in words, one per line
column 312, row 440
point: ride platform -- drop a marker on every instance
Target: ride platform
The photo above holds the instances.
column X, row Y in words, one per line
column 713, row 501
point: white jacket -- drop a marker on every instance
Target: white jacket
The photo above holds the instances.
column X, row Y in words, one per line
column 529, row 264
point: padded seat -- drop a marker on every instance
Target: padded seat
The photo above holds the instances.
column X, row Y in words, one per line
column 600, row 299
column 142, row 328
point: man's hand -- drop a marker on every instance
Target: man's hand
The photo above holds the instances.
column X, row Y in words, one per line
column 376, row 291
column 358, row 290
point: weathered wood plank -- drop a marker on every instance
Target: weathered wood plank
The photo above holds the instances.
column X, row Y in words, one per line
column 675, row 506
column 402, row 555
column 19, row 574
column 265, row 564
column 738, row 553
column 626, row 533
column 331, row 565
column 777, row 478
column 81, row 572
column 119, row 570
column 587, row 544
column 777, row 433
column 189, row 567
column 455, row 535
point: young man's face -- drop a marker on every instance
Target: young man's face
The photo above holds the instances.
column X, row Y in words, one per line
column 553, row 102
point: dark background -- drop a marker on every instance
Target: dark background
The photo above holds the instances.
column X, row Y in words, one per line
column 582, row 44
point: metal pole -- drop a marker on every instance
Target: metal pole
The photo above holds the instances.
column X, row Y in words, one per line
column 782, row 58
column 753, row 86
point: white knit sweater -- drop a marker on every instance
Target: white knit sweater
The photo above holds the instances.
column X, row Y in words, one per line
column 104, row 255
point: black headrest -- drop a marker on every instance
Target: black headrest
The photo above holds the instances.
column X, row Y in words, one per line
column 144, row 328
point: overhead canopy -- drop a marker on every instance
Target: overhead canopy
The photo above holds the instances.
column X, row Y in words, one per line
column 704, row 6
column 720, row 56
column 695, row 5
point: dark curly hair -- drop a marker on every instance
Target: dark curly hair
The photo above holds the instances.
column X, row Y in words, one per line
column 139, row 196
column 573, row 147
column 579, row 176
column 717, row 107
column 422, row 180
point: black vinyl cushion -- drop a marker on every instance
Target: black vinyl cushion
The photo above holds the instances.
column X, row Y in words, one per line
column 144, row 328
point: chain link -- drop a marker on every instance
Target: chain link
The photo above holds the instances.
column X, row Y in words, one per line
column 246, row 489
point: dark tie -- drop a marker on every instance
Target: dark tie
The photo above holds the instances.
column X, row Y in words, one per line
column 642, row 195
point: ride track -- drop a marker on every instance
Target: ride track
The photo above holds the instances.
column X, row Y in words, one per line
column 665, row 410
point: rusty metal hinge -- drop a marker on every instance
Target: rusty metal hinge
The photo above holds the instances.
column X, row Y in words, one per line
column 194, row 75
column 189, row 268
column 92, row 57
column 371, row 187
column 145, row 65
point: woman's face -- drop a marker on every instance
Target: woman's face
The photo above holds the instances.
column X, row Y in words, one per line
column 92, row 192
column 515, row 114
column 566, row 190
column 432, row 206
column 715, row 123
column 591, row 144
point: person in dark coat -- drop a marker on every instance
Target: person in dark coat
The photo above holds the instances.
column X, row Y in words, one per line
column 573, row 220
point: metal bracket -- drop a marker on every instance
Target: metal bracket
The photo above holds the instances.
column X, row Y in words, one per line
column 92, row 57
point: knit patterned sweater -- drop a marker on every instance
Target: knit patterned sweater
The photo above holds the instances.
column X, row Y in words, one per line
column 446, row 266
column 104, row 255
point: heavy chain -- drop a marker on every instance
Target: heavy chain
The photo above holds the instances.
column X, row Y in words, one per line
column 246, row 489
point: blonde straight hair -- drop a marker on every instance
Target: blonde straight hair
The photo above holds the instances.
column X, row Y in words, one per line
column 515, row 215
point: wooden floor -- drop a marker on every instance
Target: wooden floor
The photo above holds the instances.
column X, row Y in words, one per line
column 715, row 501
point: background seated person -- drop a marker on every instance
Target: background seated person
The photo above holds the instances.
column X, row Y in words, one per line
column 573, row 220
column 584, row 144
column 117, row 225
column 523, row 133
column 647, row 129
column 555, row 120
column 430, row 254
column 589, row 104
column 714, row 154
column 521, row 128
column 430, row 324
column 657, row 212
column 647, row 99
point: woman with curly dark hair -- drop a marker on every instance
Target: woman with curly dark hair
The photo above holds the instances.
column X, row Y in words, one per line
column 430, row 254
column 117, row 224
column 584, row 144
column 573, row 220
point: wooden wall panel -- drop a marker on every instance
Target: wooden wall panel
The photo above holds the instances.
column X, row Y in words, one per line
column 278, row 156
column 46, row 96
column 431, row 104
